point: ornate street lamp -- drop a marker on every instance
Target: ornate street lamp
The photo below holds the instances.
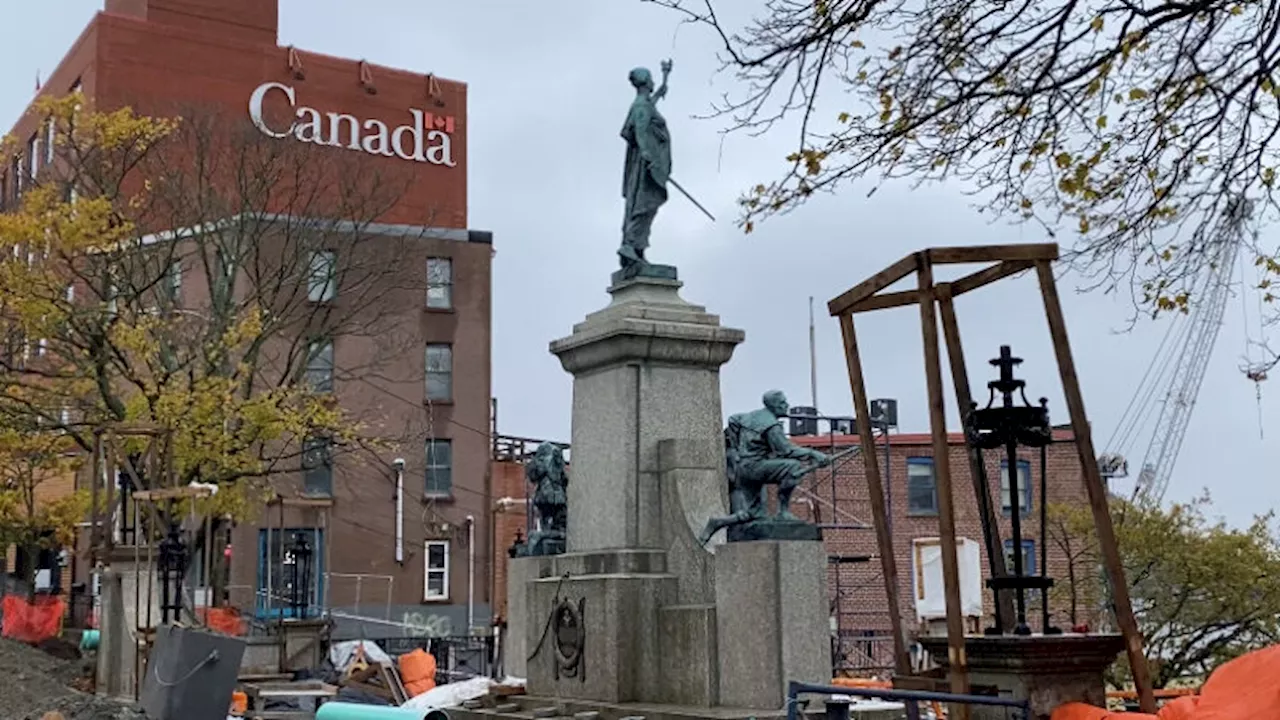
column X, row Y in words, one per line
column 1009, row 425
column 171, row 566
column 300, row 580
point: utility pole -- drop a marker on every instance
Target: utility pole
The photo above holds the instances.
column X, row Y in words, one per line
column 813, row 359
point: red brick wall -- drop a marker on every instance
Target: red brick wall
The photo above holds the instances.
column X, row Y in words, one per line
column 864, row 599
column 508, row 482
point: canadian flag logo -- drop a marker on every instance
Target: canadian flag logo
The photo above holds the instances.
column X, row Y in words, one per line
column 439, row 122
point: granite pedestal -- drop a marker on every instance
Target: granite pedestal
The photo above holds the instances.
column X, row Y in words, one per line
column 773, row 624
column 658, row 619
column 1047, row 670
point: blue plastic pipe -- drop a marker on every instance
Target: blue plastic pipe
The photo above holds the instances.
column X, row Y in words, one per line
column 89, row 640
column 357, row 711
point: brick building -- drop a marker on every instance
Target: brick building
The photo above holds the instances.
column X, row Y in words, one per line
column 421, row 558
column 838, row 496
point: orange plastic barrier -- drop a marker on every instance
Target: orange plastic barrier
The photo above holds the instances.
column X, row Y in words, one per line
column 239, row 703
column 418, row 671
column 862, row 683
column 32, row 622
column 1243, row 689
column 224, row 620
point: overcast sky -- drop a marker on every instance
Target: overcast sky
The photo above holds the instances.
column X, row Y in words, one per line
column 548, row 93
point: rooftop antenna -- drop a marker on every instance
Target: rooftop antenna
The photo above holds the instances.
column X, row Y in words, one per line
column 813, row 358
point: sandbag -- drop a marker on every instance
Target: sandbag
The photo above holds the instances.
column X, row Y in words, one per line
column 418, row 671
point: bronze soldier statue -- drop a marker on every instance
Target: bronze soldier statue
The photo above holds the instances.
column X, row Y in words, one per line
column 758, row 453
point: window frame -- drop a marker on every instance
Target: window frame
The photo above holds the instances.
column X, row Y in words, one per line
column 933, row 478
column 1029, row 557
column 34, row 156
column 322, row 291
column 447, row 285
column 428, row 373
column 1028, row 494
column 428, row 571
column 433, row 469
column 311, row 370
column 325, row 466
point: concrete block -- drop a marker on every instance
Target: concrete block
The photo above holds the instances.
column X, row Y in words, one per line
column 773, row 624
column 690, row 669
column 190, row 674
column 623, row 654
column 515, row 643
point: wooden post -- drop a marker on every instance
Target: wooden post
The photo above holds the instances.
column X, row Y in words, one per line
column 875, row 488
column 942, row 469
column 1096, row 489
column 981, row 490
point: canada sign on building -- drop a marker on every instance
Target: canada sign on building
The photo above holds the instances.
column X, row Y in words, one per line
column 427, row 138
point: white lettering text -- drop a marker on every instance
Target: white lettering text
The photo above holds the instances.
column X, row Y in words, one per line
column 425, row 139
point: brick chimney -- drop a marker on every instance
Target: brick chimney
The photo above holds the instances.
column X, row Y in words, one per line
column 255, row 21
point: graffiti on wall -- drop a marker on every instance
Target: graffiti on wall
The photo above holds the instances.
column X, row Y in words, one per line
column 424, row 623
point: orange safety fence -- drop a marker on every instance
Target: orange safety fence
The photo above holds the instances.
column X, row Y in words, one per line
column 32, row 621
column 1246, row 688
column 225, row 620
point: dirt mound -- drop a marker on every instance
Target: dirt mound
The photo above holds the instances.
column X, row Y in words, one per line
column 36, row 683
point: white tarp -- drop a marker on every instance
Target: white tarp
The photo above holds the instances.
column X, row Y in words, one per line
column 342, row 653
column 454, row 694
column 927, row 585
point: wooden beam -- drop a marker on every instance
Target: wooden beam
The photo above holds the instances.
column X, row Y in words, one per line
column 959, row 665
column 1097, row 491
column 872, row 285
column 886, row 301
column 977, row 471
column 875, row 489
column 172, row 493
column 988, row 276
column 992, row 253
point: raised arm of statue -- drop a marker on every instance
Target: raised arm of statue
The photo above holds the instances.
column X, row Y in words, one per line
column 661, row 92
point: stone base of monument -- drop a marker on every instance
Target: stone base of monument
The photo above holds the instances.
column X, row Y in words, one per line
column 1047, row 670
column 773, row 624
column 522, row 707
column 592, row 619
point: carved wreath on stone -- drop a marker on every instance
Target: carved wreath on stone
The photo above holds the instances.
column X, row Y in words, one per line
column 569, row 635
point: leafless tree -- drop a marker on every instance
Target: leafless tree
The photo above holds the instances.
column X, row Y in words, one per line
column 1133, row 125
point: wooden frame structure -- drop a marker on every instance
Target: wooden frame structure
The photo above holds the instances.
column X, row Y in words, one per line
column 934, row 298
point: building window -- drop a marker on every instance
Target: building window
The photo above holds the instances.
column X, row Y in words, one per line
column 320, row 365
column 436, row 557
column 317, row 466
column 18, row 175
column 439, row 468
column 33, row 152
column 439, row 283
column 173, row 282
column 277, row 568
column 1028, row 557
column 1024, row 487
column 322, row 279
column 439, row 372
column 922, row 487
column 50, row 135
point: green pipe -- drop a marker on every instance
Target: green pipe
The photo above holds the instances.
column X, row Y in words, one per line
column 357, row 711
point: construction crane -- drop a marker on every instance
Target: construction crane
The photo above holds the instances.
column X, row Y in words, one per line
column 1178, row 368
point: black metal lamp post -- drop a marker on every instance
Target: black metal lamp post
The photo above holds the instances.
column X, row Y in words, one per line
column 1007, row 426
column 300, row 580
column 171, row 566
